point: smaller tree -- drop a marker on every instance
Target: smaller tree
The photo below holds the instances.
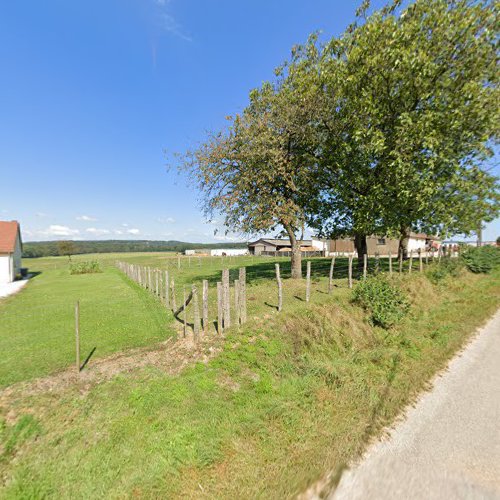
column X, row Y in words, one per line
column 258, row 173
column 66, row 248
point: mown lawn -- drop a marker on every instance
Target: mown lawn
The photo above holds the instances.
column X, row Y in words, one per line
column 37, row 325
column 290, row 397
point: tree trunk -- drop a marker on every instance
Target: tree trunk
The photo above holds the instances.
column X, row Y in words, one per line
column 296, row 259
column 403, row 243
column 361, row 248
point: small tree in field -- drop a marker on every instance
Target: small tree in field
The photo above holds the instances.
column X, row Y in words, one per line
column 66, row 248
column 258, row 174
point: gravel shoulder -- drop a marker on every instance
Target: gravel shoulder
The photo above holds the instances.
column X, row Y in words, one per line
column 448, row 444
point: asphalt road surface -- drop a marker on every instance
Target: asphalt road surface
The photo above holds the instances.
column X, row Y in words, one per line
column 448, row 445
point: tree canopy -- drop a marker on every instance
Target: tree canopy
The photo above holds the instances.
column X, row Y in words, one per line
column 382, row 130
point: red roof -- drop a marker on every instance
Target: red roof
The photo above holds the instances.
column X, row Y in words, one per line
column 8, row 236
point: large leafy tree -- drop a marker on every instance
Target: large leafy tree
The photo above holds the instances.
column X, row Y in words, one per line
column 412, row 112
column 258, row 173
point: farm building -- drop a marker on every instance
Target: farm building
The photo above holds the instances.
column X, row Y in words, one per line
column 276, row 245
column 375, row 244
column 10, row 251
column 227, row 252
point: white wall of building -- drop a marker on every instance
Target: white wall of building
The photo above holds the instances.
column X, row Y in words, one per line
column 6, row 267
column 228, row 251
column 416, row 243
column 319, row 245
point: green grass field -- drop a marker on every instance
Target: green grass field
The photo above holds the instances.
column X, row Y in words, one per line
column 290, row 396
column 37, row 325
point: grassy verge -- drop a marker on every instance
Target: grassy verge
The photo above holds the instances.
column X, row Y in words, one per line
column 289, row 397
column 37, row 324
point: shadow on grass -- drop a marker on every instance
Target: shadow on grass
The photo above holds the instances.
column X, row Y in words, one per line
column 87, row 359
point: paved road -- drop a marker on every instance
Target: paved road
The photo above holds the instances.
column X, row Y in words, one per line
column 448, row 446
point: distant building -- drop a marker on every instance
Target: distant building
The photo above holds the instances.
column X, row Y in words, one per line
column 189, row 252
column 228, row 252
column 10, row 251
column 277, row 245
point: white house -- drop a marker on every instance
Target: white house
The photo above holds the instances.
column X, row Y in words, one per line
column 226, row 252
column 10, row 251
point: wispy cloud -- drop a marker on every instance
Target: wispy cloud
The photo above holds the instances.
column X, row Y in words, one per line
column 97, row 232
column 170, row 25
column 41, row 214
column 86, row 218
column 133, row 231
column 57, row 230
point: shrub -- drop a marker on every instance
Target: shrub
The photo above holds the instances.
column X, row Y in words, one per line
column 481, row 259
column 87, row 267
column 386, row 303
column 437, row 272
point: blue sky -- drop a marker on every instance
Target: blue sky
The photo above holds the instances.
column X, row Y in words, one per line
column 92, row 94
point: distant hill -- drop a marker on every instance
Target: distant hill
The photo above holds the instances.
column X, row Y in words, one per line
column 51, row 248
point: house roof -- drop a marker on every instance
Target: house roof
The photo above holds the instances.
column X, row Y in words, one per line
column 8, row 235
column 278, row 241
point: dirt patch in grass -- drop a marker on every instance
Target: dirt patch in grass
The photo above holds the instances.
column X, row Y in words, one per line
column 170, row 357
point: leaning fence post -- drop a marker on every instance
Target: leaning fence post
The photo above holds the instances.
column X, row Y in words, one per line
column 220, row 309
column 308, row 281
column 237, row 302
column 77, row 335
column 349, row 277
column 420, row 261
column 365, row 265
column 330, row 277
column 243, row 295
column 226, row 303
column 390, row 264
column 411, row 261
column 280, row 288
column 196, row 314
column 205, row 306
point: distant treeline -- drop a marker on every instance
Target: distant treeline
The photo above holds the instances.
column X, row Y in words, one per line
column 52, row 248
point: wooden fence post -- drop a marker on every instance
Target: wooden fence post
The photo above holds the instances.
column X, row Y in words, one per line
column 178, row 262
column 226, row 302
column 196, row 314
column 172, row 295
column 427, row 257
column 220, row 309
column 205, row 306
column 390, row 264
column 280, row 288
column 349, row 277
column 167, row 295
column 365, row 265
column 77, row 335
column 420, row 261
column 237, row 301
column 411, row 262
column 157, row 284
column 377, row 262
column 243, row 295
column 330, row 276
column 184, row 309
column 308, row 281
column 400, row 261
